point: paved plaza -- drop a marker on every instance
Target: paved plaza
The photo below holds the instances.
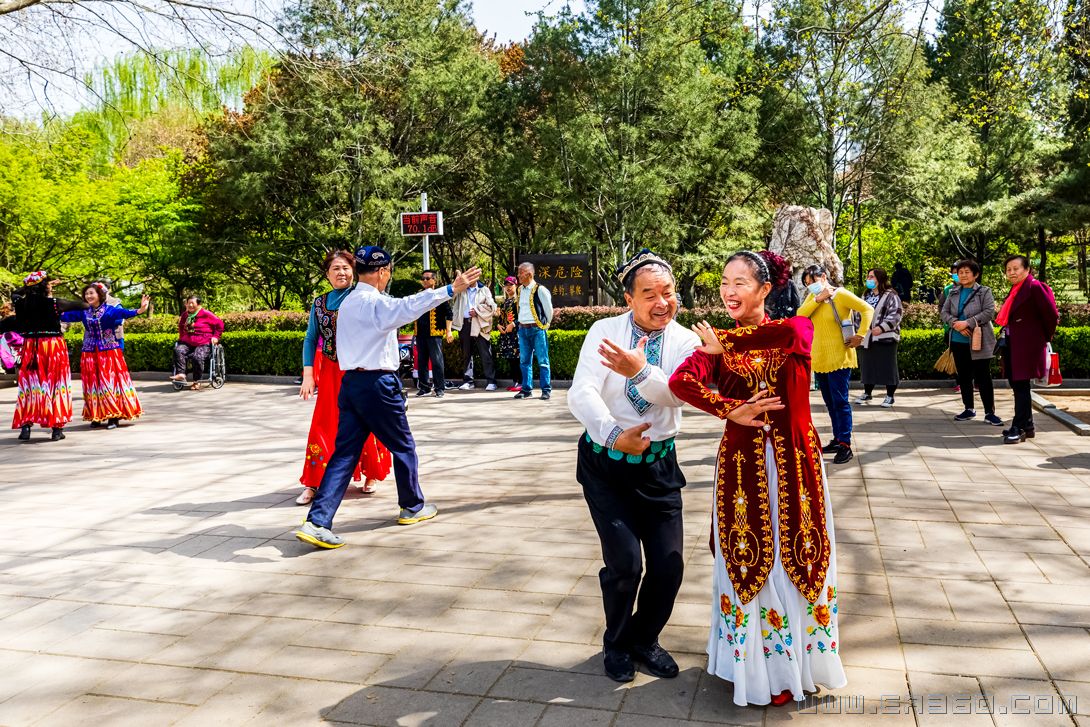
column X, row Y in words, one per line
column 148, row 576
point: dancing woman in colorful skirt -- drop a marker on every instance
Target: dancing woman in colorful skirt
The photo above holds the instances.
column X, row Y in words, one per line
column 45, row 377
column 108, row 393
column 320, row 367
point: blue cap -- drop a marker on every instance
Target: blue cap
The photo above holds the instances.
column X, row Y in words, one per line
column 372, row 257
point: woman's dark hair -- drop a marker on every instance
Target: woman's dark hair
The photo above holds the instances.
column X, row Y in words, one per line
column 812, row 272
column 766, row 266
column 973, row 266
column 882, row 277
column 194, row 297
column 343, row 255
column 98, row 288
column 1021, row 258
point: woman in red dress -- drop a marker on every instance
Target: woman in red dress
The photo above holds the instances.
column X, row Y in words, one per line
column 320, row 370
column 774, row 630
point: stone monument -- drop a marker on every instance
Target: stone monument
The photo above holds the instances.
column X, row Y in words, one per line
column 804, row 235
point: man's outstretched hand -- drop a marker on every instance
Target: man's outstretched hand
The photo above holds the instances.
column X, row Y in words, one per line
column 463, row 281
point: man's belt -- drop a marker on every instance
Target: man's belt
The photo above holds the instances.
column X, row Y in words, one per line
column 374, row 371
column 656, row 451
column 527, row 325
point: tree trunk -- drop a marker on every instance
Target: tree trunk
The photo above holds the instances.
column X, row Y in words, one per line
column 1081, row 237
column 1042, row 247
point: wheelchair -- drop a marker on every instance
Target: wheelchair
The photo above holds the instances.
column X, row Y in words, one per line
column 216, row 374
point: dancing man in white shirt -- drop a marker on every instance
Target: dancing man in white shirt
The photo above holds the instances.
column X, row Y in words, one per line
column 627, row 463
column 370, row 400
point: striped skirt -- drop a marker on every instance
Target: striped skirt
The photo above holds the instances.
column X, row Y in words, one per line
column 45, row 384
column 108, row 392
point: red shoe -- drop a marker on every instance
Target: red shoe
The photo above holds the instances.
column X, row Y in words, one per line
column 516, row 387
column 782, row 698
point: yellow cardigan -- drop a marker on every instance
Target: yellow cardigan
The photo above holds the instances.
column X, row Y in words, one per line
column 829, row 352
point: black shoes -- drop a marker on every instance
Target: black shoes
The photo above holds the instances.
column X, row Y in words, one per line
column 58, row 434
column 546, row 396
column 993, row 420
column 524, row 395
column 422, row 392
column 24, row 432
column 843, row 454
column 97, row 425
column 965, row 416
column 439, row 394
column 657, row 660
column 112, row 424
column 831, row 448
column 619, row 666
column 1014, row 435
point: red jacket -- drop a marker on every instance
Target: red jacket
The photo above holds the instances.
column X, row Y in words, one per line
column 1031, row 324
column 205, row 327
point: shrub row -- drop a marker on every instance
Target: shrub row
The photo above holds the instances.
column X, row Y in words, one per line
column 280, row 352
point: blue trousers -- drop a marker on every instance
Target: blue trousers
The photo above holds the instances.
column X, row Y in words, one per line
column 834, row 390
column 370, row 402
column 533, row 342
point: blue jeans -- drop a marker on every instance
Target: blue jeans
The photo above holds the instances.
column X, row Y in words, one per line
column 834, row 390
column 370, row 402
column 532, row 342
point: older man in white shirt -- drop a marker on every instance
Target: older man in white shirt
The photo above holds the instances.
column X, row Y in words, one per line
column 370, row 400
column 627, row 463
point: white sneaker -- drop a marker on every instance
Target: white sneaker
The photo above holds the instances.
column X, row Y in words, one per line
column 862, row 399
column 887, row 403
column 490, row 387
column 466, row 386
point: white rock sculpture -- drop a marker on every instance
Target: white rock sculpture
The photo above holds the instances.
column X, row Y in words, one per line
column 804, row 235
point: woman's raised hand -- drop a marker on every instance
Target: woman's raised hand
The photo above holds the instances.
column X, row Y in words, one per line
column 711, row 346
column 145, row 301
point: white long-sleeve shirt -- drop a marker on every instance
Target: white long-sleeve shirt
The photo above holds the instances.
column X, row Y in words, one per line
column 598, row 397
column 367, row 324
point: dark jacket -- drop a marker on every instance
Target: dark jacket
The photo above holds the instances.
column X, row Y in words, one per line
column 979, row 311
column 783, row 302
column 1031, row 324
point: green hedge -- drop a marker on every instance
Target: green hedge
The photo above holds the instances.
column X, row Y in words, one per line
column 280, row 352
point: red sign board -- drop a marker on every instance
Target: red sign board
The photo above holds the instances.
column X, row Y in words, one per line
column 421, row 223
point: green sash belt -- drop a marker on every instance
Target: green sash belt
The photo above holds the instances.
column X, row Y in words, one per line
column 657, row 450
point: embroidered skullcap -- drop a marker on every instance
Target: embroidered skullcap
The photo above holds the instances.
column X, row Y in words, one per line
column 34, row 278
column 641, row 258
column 372, row 257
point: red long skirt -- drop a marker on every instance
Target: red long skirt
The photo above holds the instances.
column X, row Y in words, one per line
column 45, row 384
column 375, row 462
column 108, row 392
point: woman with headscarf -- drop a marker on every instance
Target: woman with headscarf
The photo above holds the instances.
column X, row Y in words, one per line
column 774, row 630
column 108, row 393
column 45, row 376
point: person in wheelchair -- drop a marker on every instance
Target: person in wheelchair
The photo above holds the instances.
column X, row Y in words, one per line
column 198, row 330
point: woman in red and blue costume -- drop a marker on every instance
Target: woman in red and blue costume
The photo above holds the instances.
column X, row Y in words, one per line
column 108, row 393
column 774, row 630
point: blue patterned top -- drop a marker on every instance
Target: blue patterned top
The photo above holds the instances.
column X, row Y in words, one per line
column 99, row 325
column 322, row 325
column 653, row 351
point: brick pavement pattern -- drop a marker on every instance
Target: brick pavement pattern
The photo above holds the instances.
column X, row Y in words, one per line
column 149, row 576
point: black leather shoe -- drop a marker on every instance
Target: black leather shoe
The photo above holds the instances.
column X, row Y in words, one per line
column 657, row 660
column 831, row 448
column 58, row 434
column 24, row 432
column 843, row 454
column 524, row 395
column 1030, row 433
column 619, row 666
column 1014, row 436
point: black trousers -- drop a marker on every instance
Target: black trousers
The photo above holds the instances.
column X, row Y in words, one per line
column 1023, row 403
column 430, row 348
column 635, row 507
column 970, row 372
column 483, row 344
column 199, row 355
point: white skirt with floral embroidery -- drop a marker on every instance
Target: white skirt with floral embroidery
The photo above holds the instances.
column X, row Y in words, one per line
column 778, row 641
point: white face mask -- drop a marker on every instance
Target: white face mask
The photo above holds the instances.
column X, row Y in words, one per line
column 815, row 288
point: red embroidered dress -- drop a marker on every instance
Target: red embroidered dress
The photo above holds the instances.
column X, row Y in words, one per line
column 775, row 551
